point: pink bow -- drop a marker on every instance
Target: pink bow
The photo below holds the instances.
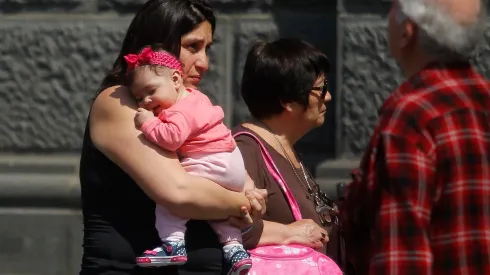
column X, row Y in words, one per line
column 135, row 60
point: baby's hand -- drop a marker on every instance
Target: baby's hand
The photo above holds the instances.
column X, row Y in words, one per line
column 142, row 116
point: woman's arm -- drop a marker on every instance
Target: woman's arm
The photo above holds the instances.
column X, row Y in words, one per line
column 157, row 172
column 266, row 233
column 305, row 232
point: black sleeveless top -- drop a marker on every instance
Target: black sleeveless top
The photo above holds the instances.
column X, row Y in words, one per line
column 119, row 224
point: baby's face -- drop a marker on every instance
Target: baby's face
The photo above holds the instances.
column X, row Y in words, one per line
column 152, row 91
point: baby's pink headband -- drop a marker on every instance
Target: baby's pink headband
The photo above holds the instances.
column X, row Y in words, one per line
column 150, row 57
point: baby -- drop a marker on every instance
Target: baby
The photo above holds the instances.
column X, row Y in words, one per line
column 184, row 120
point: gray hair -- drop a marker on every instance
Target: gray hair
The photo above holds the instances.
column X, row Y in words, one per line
column 441, row 36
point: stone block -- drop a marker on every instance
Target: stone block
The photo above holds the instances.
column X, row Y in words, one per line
column 271, row 5
column 12, row 6
column 368, row 6
column 229, row 6
column 37, row 190
column 365, row 6
column 368, row 74
column 122, row 6
column 40, row 241
column 482, row 61
column 39, row 181
column 44, row 165
column 49, row 72
column 131, row 6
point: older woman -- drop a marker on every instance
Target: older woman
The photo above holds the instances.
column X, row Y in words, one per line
column 285, row 88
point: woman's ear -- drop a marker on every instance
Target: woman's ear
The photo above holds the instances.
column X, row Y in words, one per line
column 288, row 106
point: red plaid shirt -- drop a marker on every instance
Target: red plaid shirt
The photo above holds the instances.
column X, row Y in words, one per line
column 420, row 203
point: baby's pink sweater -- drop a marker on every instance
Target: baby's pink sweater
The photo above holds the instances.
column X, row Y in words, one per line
column 191, row 125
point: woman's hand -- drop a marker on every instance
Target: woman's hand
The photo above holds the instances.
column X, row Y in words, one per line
column 258, row 202
column 307, row 232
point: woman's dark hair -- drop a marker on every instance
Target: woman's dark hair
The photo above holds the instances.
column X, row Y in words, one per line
column 163, row 22
column 280, row 72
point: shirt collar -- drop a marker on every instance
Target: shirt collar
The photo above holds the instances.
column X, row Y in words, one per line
column 432, row 74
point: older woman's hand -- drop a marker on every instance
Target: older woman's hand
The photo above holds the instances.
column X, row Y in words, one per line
column 308, row 233
column 258, row 202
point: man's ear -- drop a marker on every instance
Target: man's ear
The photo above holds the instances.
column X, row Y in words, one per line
column 408, row 34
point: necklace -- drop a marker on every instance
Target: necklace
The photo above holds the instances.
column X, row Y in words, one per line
column 312, row 193
column 306, row 183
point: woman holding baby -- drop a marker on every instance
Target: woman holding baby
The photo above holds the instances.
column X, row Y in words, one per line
column 124, row 175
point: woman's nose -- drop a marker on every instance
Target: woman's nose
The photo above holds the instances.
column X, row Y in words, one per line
column 328, row 97
column 202, row 63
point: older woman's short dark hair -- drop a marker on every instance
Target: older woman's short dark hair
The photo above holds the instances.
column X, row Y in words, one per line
column 280, row 72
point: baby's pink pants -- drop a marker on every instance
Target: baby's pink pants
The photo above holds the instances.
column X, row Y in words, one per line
column 228, row 170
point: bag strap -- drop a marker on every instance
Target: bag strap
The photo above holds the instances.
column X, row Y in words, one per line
column 272, row 168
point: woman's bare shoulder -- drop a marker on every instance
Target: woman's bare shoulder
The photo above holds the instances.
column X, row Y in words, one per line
column 112, row 115
column 113, row 100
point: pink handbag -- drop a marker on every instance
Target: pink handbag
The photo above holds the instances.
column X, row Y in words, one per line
column 287, row 259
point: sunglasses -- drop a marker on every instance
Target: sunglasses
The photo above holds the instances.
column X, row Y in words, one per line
column 323, row 89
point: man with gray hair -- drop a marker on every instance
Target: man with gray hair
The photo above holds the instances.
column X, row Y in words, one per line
column 420, row 202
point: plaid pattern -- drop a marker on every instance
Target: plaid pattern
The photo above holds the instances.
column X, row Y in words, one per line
column 420, row 202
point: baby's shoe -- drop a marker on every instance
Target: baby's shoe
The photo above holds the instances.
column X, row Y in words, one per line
column 237, row 260
column 169, row 253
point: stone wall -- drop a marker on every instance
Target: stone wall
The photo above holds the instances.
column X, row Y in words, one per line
column 53, row 54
